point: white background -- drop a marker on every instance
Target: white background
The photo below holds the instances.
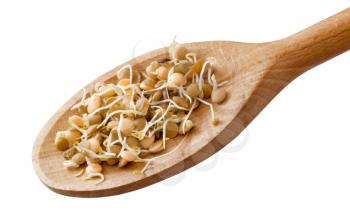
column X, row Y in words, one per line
column 294, row 167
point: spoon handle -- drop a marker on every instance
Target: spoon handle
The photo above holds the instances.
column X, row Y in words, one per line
column 314, row 45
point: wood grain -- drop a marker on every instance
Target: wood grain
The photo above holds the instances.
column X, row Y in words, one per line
column 256, row 74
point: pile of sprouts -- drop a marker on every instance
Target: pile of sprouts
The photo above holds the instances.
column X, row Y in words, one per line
column 130, row 120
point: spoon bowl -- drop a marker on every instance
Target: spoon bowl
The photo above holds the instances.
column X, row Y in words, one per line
column 256, row 73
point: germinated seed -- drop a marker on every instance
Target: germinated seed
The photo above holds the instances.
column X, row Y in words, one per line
column 92, row 130
column 181, row 68
column 95, row 119
column 180, row 114
column 127, row 126
column 177, row 79
column 156, row 96
column 94, row 104
column 124, row 104
column 162, row 73
column 150, row 70
column 156, row 147
column 142, row 105
column 185, row 127
column 180, row 101
column 147, row 84
column 171, row 130
column 122, row 162
column 61, row 143
column 124, row 82
column 218, row 95
column 132, row 142
column 78, row 158
column 76, row 120
column 193, row 90
column 72, row 136
column 140, row 123
column 115, row 149
column 129, row 155
column 207, row 89
column 112, row 124
column 107, row 91
column 147, row 142
column 82, row 109
column 198, row 66
column 94, row 145
column 123, row 74
column 178, row 52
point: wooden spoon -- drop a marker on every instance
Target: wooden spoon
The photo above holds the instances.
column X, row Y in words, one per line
column 256, row 73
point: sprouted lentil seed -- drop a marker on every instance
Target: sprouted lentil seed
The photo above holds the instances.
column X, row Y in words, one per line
column 123, row 122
